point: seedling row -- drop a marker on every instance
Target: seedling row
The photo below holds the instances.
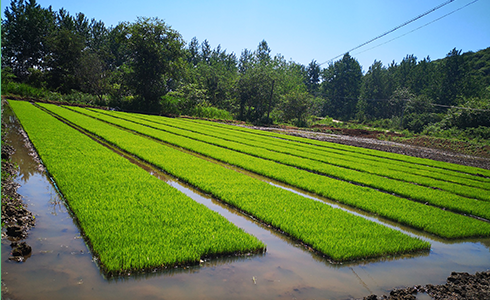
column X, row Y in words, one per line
column 420, row 193
column 417, row 215
column 131, row 219
column 333, row 232
column 369, row 164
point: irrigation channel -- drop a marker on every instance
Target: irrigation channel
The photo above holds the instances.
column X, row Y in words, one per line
column 61, row 266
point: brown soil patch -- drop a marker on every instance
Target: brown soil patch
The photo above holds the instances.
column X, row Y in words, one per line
column 458, row 286
column 373, row 134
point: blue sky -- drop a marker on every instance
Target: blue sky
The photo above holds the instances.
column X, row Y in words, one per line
column 308, row 30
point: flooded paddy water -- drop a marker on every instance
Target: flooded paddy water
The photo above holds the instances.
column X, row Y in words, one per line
column 61, row 265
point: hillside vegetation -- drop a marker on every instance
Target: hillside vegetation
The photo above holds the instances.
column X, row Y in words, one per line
column 146, row 66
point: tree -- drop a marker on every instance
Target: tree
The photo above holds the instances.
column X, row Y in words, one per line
column 424, row 78
column 398, row 102
column 183, row 100
column 418, row 113
column 256, row 92
column 245, row 62
column 25, row 29
column 263, row 53
column 313, row 73
column 261, row 77
column 193, row 52
column 374, row 92
column 65, row 46
column 205, row 51
column 341, row 85
column 155, row 60
column 452, row 77
column 92, row 75
column 405, row 72
column 296, row 106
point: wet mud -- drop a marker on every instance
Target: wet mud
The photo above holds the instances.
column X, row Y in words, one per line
column 457, row 286
column 16, row 218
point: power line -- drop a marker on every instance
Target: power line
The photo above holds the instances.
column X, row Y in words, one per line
column 459, row 107
column 390, row 31
column 418, row 27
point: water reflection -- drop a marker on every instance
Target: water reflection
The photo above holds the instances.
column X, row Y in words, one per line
column 190, row 269
column 57, row 205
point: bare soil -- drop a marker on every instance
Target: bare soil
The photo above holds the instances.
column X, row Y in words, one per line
column 457, row 286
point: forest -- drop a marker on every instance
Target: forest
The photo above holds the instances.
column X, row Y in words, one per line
column 146, row 66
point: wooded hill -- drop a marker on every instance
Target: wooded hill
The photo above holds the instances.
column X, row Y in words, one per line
column 147, row 66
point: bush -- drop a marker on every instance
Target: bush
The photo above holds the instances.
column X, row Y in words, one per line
column 210, row 112
column 27, row 91
column 475, row 114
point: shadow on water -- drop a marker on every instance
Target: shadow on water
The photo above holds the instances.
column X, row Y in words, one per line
column 61, row 266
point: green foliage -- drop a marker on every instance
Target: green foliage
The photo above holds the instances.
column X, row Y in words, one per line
column 214, row 71
column 7, row 75
column 475, row 112
column 185, row 99
column 312, row 78
column 418, row 113
column 334, row 232
column 25, row 29
column 65, row 43
column 341, row 85
column 132, row 220
column 27, row 91
column 256, row 92
column 210, row 112
column 374, row 88
column 296, row 106
column 155, row 58
column 133, row 66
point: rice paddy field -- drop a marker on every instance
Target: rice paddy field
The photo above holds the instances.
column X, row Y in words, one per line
column 157, row 199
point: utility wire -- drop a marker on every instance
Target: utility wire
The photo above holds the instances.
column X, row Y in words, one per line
column 390, row 31
column 459, row 107
column 418, row 27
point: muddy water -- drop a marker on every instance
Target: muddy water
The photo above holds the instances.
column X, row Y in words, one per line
column 61, row 266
